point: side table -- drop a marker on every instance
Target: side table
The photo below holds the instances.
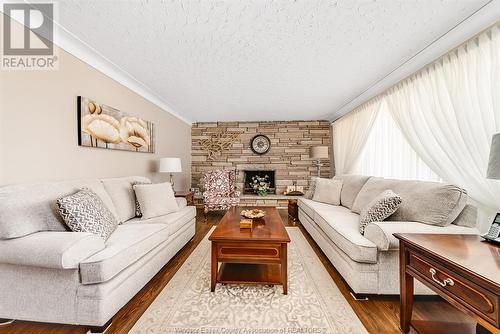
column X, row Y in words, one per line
column 293, row 209
column 462, row 269
column 188, row 195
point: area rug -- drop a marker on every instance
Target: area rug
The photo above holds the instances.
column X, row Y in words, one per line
column 314, row 304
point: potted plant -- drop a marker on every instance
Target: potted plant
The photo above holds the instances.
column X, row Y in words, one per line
column 261, row 184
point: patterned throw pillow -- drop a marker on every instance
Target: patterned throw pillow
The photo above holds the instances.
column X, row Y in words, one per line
column 381, row 207
column 84, row 211
column 138, row 212
column 312, row 187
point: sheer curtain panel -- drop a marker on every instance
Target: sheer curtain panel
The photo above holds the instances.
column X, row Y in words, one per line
column 350, row 134
column 449, row 112
column 388, row 154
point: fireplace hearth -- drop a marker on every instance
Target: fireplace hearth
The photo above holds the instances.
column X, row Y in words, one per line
column 249, row 174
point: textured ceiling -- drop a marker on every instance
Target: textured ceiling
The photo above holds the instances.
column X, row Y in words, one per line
column 263, row 59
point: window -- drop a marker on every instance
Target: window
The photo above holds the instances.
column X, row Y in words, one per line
column 388, row 154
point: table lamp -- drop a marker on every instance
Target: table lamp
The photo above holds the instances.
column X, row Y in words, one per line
column 494, row 163
column 170, row 165
column 318, row 153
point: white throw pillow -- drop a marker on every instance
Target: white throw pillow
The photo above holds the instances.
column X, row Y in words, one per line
column 327, row 191
column 155, row 199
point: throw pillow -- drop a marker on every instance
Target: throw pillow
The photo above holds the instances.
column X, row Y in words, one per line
column 156, row 199
column 121, row 193
column 468, row 217
column 327, row 191
column 84, row 211
column 312, row 185
column 138, row 212
column 350, row 188
column 380, row 208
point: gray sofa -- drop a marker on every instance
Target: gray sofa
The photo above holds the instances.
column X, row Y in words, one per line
column 370, row 263
column 49, row 274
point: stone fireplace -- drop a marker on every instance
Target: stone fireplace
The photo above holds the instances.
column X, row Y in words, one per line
column 249, row 174
column 288, row 159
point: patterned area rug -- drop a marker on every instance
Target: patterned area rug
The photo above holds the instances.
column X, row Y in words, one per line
column 314, row 304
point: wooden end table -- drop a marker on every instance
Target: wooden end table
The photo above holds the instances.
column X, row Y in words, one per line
column 462, row 269
column 293, row 209
column 250, row 256
column 188, row 195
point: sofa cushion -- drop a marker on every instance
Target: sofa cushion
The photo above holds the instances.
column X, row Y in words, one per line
column 122, row 194
column 156, row 199
column 30, row 208
column 125, row 246
column 327, row 191
column 175, row 221
column 426, row 202
column 382, row 233
column 381, row 207
column 56, row 250
column 468, row 217
column 342, row 227
column 350, row 188
column 84, row 211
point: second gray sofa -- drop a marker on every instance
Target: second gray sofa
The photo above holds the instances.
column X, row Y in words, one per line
column 370, row 262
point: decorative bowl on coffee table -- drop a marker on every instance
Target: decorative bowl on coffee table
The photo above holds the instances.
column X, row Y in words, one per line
column 253, row 213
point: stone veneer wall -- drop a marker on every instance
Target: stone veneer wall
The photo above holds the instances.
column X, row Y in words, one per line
column 288, row 156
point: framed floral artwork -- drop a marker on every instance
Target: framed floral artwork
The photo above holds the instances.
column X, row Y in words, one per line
column 102, row 126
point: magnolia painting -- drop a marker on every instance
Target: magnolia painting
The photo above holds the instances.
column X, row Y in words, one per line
column 105, row 127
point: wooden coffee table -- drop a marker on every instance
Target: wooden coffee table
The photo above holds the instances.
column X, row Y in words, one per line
column 250, row 256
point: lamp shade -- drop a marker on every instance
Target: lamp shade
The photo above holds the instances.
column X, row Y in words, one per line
column 318, row 152
column 494, row 164
column 170, row 165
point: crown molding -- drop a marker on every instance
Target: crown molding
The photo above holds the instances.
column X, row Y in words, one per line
column 81, row 50
column 483, row 18
column 67, row 41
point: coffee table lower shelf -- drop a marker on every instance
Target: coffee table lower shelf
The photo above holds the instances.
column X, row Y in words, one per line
column 249, row 273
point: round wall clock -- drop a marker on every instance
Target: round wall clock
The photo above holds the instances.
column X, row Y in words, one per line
column 260, row 144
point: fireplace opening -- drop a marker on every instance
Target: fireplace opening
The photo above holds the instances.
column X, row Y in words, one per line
column 249, row 174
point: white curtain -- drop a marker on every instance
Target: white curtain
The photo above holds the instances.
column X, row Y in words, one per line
column 388, row 154
column 350, row 133
column 449, row 111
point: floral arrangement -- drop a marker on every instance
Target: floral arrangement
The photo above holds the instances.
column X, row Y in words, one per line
column 261, row 184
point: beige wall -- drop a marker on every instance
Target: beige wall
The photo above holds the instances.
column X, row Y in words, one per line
column 38, row 127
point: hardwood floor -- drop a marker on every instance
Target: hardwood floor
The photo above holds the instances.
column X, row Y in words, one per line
column 378, row 314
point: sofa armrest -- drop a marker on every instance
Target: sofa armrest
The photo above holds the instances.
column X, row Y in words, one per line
column 381, row 233
column 57, row 250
